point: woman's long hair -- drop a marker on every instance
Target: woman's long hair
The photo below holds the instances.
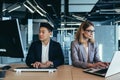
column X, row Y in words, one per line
column 83, row 27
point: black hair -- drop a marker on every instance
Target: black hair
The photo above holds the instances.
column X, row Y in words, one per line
column 46, row 25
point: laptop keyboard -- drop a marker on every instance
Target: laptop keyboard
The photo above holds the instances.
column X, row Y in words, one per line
column 102, row 71
column 97, row 71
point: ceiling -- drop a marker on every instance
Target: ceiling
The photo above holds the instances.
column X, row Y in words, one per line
column 52, row 9
column 104, row 11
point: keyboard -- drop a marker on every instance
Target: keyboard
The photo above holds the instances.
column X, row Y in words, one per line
column 102, row 71
column 97, row 71
column 28, row 69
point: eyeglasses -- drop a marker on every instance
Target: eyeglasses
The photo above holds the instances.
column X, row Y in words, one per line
column 90, row 31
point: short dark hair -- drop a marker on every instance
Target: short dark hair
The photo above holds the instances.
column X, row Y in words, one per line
column 46, row 25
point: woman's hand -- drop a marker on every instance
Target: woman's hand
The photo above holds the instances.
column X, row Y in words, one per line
column 98, row 65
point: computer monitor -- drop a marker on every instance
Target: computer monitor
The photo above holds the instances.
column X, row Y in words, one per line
column 10, row 39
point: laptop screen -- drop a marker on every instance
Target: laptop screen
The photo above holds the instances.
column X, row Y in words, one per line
column 114, row 65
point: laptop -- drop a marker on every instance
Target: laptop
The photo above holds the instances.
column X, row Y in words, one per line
column 108, row 72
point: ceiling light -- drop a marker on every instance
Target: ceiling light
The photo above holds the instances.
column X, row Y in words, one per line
column 4, row 10
column 35, row 8
column 41, row 9
column 28, row 7
column 14, row 7
column 49, row 5
column 79, row 17
column 117, row 10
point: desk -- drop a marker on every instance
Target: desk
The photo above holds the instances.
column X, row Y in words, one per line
column 64, row 72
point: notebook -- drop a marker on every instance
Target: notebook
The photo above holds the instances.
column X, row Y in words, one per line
column 109, row 72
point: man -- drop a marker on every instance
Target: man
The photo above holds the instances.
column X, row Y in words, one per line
column 45, row 52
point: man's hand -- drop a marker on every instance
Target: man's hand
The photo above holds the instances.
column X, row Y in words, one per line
column 47, row 64
column 36, row 64
column 42, row 65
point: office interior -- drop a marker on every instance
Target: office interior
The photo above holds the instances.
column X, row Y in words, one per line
column 66, row 16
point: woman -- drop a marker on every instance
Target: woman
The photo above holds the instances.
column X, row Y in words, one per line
column 84, row 50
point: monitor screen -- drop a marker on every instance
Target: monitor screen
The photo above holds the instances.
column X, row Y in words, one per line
column 10, row 39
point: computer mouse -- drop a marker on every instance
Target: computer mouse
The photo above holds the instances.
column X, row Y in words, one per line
column 6, row 67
